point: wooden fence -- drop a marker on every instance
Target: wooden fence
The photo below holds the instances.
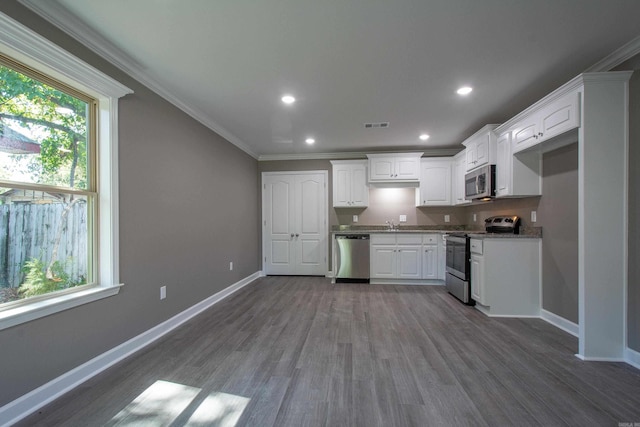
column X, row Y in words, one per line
column 29, row 231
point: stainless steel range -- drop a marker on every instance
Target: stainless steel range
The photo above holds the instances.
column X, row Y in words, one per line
column 458, row 277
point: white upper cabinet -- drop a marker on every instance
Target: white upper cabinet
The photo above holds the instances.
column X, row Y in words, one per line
column 402, row 167
column 459, row 166
column 552, row 119
column 516, row 175
column 350, row 188
column 480, row 148
column 435, row 182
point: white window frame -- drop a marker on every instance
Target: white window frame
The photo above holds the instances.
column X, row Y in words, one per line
column 28, row 47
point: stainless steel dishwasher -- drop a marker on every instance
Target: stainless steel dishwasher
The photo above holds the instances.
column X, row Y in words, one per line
column 353, row 258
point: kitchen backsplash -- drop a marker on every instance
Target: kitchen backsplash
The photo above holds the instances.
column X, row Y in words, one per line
column 387, row 204
column 520, row 207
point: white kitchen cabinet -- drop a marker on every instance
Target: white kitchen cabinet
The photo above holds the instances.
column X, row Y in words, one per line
column 552, row 119
column 350, row 187
column 459, row 165
column 432, row 257
column 406, row 258
column 383, row 261
column 517, row 175
column 402, row 167
column 505, row 276
column 409, row 261
column 480, row 148
column 477, row 279
column 435, row 182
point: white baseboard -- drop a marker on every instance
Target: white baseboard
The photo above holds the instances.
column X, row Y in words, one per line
column 600, row 359
column 632, row 357
column 34, row 400
column 560, row 322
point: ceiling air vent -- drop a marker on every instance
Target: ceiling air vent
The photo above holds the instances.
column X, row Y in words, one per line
column 376, row 125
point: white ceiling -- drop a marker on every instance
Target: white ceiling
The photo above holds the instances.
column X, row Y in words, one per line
column 228, row 62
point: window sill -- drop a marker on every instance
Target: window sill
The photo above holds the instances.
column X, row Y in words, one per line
column 28, row 312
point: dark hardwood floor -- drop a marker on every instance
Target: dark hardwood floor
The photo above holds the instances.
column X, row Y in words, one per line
column 294, row 351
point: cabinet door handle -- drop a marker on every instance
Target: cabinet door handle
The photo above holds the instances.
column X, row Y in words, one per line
column 540, row 134
column 297, row 235
column 292, row 235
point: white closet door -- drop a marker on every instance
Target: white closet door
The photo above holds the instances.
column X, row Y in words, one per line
column 311, row 234
column 279, row 217
column 295, row 224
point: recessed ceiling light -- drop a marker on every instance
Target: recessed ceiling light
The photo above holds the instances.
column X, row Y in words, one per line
column 424, row 137
column 288, row 99
column 464, row 90
column 309, row 141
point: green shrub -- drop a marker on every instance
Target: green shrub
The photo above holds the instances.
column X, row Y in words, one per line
column 36, row 281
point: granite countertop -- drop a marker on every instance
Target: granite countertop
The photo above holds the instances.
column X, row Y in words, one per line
column 363, row 229
column 503, row 236
column 525, row 232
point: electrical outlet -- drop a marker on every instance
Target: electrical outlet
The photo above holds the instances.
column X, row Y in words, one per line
column 447, row 218
column 163, row 292
column 475, row 217
column 534, row 216
column 231, row 265
column 355, row 218
column 403, row 218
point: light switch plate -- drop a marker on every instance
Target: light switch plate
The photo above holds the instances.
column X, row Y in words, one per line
column 474, row 217
column 163, row 292
column 355, row 218
column 403, row 218
column 447, row 218
column 534, row 216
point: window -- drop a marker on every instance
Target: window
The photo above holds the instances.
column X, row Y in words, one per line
column 58, row 178
column 48, row 189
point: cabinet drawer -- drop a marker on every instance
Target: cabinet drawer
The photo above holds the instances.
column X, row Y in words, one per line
column 383, row 239
column 431, row 239
column 409, row 239
column 476, row 246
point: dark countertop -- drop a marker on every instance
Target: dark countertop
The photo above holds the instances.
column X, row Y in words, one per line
column 525, row 232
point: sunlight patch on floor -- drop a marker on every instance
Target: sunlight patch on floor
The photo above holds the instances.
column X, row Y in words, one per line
column 163, row 402
column 219, row 409
column 158, row 405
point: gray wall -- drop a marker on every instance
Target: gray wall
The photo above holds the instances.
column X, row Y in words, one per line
column 188, row 206
column 559, row 218
column 633, row 302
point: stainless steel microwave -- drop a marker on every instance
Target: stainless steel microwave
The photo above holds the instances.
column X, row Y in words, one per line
column 480, row 183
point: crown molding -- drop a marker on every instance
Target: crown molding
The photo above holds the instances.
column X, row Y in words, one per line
column 433, row 152
column 58, row 15
column 617, row 57
column 27, row 46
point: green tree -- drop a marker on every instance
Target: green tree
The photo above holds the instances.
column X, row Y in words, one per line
column 55, row 120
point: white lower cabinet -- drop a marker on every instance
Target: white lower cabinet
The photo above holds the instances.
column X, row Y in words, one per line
column 432, row 257
column 402, row 258
column 409, row 262
column 383, row 261
column 505, row 276
column 430, row 262
column 477, row 278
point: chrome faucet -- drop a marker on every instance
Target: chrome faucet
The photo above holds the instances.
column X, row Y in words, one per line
column 391, row 225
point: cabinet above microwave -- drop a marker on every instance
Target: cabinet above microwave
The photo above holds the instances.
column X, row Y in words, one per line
column 400, row 167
